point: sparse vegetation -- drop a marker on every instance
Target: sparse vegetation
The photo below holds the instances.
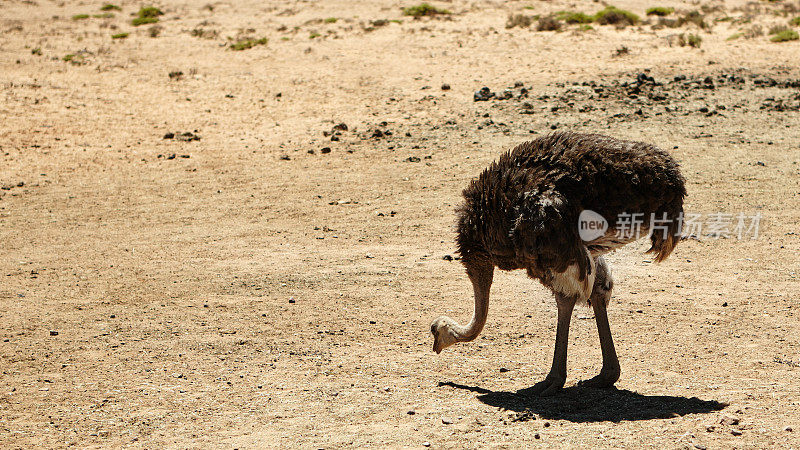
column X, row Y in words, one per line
column 143, row 21
column 785, row 35
column 331, row 20
column 695, row 17
column 424, row 9
column 519, row 20
column 80, row 16
column 660, row 11
column 36, row 51
column 76, row 59
column 154, row 31
column 754, row 31
column 147, row 14
column 245, row 44
column 775, row 29
column 795, row 21
column 119, row 36
column 612, row 15
column 103, row 16
column 149, row 11
column 585, row 27
column 548, row 23
column 314, row 35
column 110, row 7
column 734, row 36
column 574, row 17
column 694, row 40
column 204, row 33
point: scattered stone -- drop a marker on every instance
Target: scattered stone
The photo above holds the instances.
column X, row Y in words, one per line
column 187, row 136
column 171, row 156
column 285, row 158
column 546, row 424
column 787, row 428
column 507, row 94
column 724, row 304
column 426, row 444
column 411, row 412
column 536, row 436
column 729, row 420
column 736, row 432
column 291, row 300
column 447, row 257
column 503, row 370
column 482, row 95
column 325, row 150
column 372, row 322
column 447, row 420
column 53, row 333
column 169, row 135
column 413, row 159
column 175, row 75
column 445, row 87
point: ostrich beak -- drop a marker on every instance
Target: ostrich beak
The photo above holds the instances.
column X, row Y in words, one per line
column 436, row 347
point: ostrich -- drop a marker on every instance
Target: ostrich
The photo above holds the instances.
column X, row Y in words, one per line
column 523, row 213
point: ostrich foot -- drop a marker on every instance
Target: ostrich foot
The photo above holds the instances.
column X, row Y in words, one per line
column 549, row 386
column 605, row 379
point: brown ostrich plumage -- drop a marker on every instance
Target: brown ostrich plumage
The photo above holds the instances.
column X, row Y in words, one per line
column 522, row 213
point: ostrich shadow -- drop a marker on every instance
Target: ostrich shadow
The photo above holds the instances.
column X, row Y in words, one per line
column 582, row 404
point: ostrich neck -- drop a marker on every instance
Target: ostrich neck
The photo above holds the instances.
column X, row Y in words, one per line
column 481, row 277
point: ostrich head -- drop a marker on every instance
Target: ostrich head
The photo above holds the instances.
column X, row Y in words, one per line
column 445, row 334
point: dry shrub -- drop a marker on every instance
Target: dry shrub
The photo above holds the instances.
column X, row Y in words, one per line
column 519, row 20
column 548, row 23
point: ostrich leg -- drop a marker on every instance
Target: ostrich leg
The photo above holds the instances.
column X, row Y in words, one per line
column 558, row 371
column 601, row 295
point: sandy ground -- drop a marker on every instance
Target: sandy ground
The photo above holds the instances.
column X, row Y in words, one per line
column 248, row 289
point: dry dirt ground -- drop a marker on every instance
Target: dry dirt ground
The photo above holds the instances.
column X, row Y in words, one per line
column 239, row 286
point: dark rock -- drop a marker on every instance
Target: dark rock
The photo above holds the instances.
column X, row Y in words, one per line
column 169, row 135
column 325, row 150
column 413, row 159
column 445, row 87
column 482, row 95
column 340, row 127
column 53, row 333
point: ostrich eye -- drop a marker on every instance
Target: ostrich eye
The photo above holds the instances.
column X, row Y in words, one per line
column 433, row 329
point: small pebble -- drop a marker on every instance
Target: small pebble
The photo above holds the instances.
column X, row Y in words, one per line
column 736, row 432
column 546, row 424
column 291, row 299
column 411, row 412
column 53, row 333
column 426, row 444
column 787, row 428
column 445, row 87
column 447, row 420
